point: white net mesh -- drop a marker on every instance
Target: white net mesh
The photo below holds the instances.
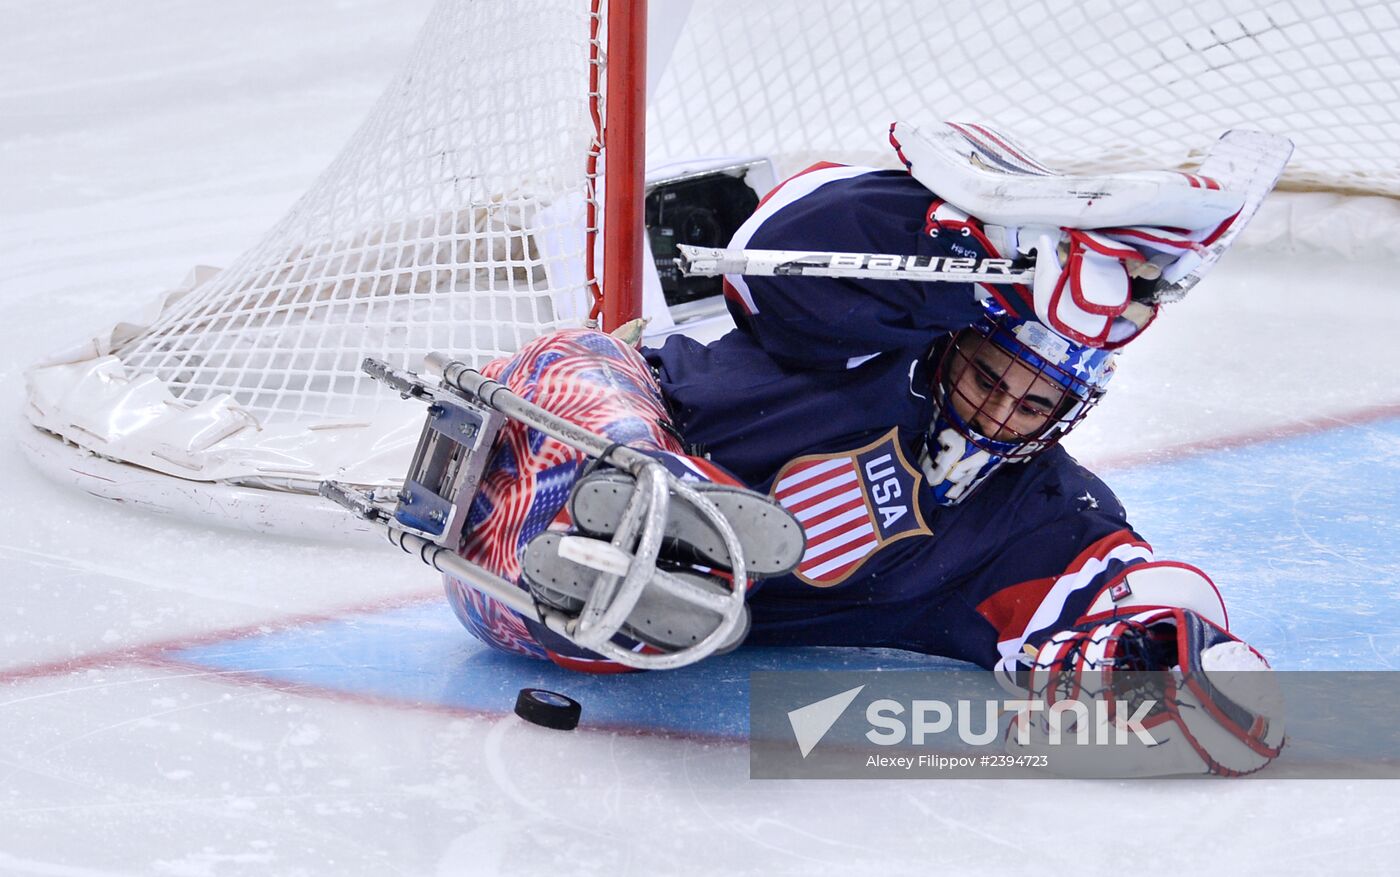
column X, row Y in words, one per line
column 455, row 218
column 451, row 221
column 1117, row 82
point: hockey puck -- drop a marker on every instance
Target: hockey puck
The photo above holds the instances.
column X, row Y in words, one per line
column 549, row 709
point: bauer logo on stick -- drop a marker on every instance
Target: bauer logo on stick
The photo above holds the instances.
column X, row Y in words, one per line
column 888, row 262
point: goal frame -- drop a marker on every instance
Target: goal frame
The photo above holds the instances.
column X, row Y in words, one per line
column 624, row 155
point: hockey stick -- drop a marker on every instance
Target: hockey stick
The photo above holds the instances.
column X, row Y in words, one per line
column 707, row 262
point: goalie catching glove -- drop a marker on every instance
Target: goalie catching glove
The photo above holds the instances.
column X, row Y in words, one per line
column 1165, row 692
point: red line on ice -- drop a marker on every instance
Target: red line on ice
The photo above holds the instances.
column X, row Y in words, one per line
column 152, row 653
column 1200, row 447
column 252, row 678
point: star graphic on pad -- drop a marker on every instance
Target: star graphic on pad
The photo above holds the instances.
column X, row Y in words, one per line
column 1089, row 500
column 1050, row 491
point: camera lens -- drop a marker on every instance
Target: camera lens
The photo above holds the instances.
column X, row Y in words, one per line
column 700, row 228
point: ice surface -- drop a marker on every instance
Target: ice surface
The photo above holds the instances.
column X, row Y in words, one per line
column 180, row 700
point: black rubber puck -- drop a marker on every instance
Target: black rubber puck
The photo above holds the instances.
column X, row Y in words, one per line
column 549, row 709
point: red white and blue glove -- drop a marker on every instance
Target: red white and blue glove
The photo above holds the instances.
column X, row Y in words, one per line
column 1207, row 701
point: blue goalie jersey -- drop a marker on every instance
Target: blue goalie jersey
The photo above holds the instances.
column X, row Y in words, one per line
column 822, row 399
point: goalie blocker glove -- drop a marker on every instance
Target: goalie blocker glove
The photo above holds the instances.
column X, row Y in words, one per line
column 1207, row 702
column 1101, row 242
column 1096, row 276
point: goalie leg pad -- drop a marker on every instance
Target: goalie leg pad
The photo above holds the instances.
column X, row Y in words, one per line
column 772, row 539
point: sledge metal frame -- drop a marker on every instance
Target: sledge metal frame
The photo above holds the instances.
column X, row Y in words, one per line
column 465, row 411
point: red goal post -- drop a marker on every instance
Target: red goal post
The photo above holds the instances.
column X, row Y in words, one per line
column 624, row 138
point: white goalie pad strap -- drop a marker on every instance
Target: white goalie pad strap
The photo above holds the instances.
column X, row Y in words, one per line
column 1163, row 584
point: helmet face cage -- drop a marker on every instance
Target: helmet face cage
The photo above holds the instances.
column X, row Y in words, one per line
column 1013, row 388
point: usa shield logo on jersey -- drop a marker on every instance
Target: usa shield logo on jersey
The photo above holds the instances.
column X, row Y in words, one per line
column 850, row 505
